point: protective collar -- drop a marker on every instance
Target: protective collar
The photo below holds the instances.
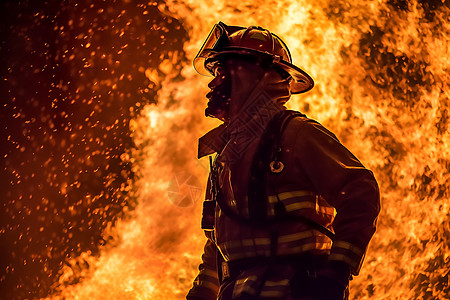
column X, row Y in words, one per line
column 262, row 103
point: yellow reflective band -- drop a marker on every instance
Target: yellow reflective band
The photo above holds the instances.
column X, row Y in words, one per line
column 248, row 254
column 266, row 241
column 282, row 251
column 346, row 245
column 272, row 294
column 341, row 257
column 242, row 285
column 248, row 242
column 295, row 236
column 250, row 278
column 257, row 241
column 207, row 272
column 307, row 247
column 288, row 195
column 300, row 205
column 209, row 285
column 277, row 283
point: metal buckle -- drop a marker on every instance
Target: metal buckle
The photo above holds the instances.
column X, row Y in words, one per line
column 225, row 270
column 276, row 166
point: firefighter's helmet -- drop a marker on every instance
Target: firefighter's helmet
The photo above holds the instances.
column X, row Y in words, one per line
column 253, row 41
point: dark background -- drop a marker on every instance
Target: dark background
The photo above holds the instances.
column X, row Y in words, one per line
column 72, row 76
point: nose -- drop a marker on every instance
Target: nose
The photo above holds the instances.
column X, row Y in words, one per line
column 216, row 81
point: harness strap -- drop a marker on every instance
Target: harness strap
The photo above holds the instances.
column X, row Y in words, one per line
column 257, row 197
column 267, row 147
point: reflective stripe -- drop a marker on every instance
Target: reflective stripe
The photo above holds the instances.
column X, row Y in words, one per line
column 347, row 246
column 308, row 247
column 295, row 236
column 250, row 278
column 243, row 285
column 207, row 279
column 300, row 205
column 208, row 272
column 348, row 253
column 281, row 251
column 248, row 254
column 266, row 241
column 287, row 195
column 209, row 285
column 277, row 283
column 247, row 242
column 310, row 202
column 294, row 243
column 272, row 294
column 354, row 264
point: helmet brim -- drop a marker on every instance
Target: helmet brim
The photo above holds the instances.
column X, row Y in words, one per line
column 301, row 82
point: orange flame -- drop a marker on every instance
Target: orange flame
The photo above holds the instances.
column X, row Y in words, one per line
column 381, row 85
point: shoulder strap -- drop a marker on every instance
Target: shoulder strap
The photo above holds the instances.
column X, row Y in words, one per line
column 257, row 197
column 268, row 146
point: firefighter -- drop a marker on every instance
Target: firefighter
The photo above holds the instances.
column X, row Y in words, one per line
column 289, row 211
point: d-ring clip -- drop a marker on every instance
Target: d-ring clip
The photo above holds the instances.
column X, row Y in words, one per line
column 276, row 166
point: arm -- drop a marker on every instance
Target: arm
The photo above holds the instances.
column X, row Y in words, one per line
column 346, row 184
column 206, row 284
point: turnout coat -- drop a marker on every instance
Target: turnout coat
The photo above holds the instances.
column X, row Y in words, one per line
column 321, row 180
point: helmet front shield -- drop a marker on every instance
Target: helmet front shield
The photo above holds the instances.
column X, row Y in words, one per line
column 216, row 38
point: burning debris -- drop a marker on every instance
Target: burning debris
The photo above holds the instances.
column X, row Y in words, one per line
column 101, row 114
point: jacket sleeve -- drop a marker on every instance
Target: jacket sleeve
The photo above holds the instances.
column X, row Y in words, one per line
column 206, row 284
column 346, row 184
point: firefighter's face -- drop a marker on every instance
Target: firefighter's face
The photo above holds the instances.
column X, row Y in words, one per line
column 220, row 95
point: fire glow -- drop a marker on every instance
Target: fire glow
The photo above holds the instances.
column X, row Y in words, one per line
column 382, row 85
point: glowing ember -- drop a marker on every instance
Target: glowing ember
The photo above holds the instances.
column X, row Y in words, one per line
column 102, row 111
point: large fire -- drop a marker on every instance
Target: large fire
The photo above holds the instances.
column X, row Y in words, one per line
column 94, row 214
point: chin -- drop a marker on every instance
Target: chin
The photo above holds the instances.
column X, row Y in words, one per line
column 216, row 113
